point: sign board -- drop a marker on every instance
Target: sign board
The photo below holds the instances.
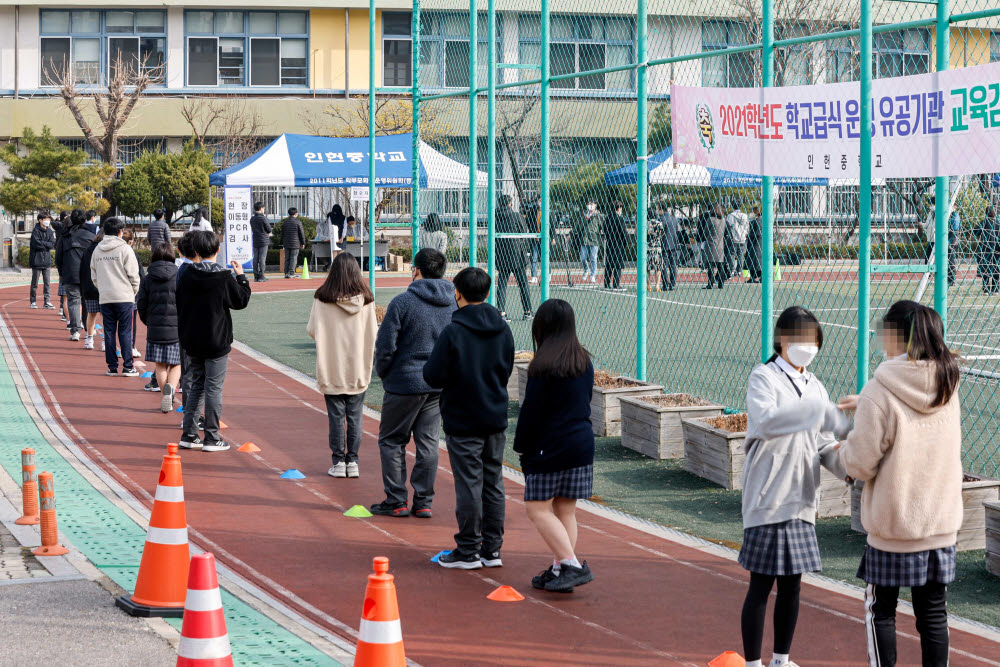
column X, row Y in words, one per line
column 239, row 240
column 938, row 124
column 359, row 194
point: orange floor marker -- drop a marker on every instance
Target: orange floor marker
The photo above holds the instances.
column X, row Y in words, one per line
column 222, row 425
column 248, row 447
column 50, row 531
column 380, row 642
column 29, row 490
column 204, row 638
column 163, row 571
column 505, row 594
column 728, row 659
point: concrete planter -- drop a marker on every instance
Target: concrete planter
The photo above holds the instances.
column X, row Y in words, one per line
column 713, row 454
column 656, row 430
column 992, row 537
column 606, row 409
column 834, row 498
column 518, row 379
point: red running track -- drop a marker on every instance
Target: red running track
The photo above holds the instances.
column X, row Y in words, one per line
column 654, row 601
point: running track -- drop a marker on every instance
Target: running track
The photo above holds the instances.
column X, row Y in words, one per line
column 654, row 601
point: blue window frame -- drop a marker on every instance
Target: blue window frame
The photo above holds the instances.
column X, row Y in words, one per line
column 902, row 53
column 579, row 44
column 397, row 49
column 90, row 43
column 235, row 48
column 738, row 70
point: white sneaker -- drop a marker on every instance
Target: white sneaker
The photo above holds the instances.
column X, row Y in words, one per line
column 102, row 344
column 74, row 336
column 88, row 343
column 534, row 280
column 136, row 353
column 593, row 278
column 167, row 399
column 33, row 306
column 337, row 470
column 352, row 470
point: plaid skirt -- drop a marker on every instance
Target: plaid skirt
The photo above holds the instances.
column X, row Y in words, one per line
column 92, row 305
column 169, row 354
column 575, row 483
column 62, row 289
column 780, row 549
column 886, row 568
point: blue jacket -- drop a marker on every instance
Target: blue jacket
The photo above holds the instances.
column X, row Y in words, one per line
column 411, row 326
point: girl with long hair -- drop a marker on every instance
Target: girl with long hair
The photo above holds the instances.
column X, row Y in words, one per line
column 156, row 304
column 202, row 221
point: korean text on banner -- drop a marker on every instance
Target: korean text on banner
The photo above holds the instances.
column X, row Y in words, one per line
column 239, row 244
column 937, row 124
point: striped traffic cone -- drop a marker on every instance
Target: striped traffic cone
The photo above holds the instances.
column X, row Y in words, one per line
column 163, row 571
column 29, row 490
column 204, row 639
column 380, row 642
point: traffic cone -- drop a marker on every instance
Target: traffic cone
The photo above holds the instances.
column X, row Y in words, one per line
column 728, row 659
column 50, row 531
column 777, row 270
column 163, row 571
column 204, row 639
column 380, row 642
column 305, row 269
column 29, row 490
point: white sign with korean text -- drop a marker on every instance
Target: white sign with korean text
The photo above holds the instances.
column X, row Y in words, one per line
column 239, row 208
column 938, row 124
column 359, row 194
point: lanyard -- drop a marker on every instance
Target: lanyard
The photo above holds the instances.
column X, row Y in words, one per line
column 794, row 386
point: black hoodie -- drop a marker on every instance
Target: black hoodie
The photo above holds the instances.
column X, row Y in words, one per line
column 471, row 363
column 157, row 302
column 206, row 292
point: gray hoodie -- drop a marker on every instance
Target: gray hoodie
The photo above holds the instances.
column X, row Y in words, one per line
column 788, row 438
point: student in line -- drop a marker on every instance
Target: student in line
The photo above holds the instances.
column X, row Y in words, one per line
column 158, row 231
column 129, row 237
column 293, row 239
column 791, row 430
column 556, row 441
column 156, row 304
column 115, row 270
column 43, row 242
column 471, row 363
column 91, row 295
column 75, row 240
column 342, row 322
column 907, row 448
column 58, row 226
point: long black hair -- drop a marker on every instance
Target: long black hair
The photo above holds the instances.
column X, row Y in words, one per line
column 923, row 334
column 432, row 223
column 344, row 281
column 792, row 321
column 558, row 352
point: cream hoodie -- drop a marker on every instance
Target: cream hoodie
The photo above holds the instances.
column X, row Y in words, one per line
column 115, row 271
column 909, row 455
column 345, row 344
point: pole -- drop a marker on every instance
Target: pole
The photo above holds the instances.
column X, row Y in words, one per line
column 473, row 131
column 546, row 139
column 371, row 145
column 865, row 196
column 641, row 204
column 415, row 124
column 942, row 198
column 767, row 201
column 491, row 148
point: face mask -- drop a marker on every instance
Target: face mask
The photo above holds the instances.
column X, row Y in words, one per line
column 591, row 207
column 802, row 354
column 45, row 223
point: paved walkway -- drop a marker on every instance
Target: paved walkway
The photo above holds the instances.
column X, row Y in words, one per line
column 658, row 599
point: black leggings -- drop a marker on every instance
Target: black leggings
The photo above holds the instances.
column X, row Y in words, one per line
column 786, row 613
column 930, row 608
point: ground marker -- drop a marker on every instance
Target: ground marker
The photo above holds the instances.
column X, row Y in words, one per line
column 147, row 374
column 728, row 659
column 358, row 512
column 248, row 447
column 505, row 594
column 292, row 473
column 439, row 554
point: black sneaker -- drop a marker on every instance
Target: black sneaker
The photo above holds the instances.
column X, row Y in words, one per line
column 385, row 508
column 539, row 580
column 151, row 385
column 214, row 446
column 112, row 373
column 456, row 561
column 422, row 512
column 529, row 316
column 126, row 372
column 191, row 443
column 491, row 559
column 569, row 578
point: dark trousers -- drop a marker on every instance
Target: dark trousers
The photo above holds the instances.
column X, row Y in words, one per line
column 44, row 274
column 477, row 465
column 291, row 259
column 74, row 306
column 754, row 260
column 186, row 379
column 613, row 272
column 206, row 378
column 117, row 318
column 259, row 262
column 930, row 608
column 504, row 272
column 716, row 273
column 405, row 416
column 952, row 261
column 669, row 277
column 786, row 613
column 341, row 408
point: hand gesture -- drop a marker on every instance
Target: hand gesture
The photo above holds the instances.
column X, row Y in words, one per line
column 848, row 403
column 236, row 267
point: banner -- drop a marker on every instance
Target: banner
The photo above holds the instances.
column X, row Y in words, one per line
column 937, row 124
column 239, row 241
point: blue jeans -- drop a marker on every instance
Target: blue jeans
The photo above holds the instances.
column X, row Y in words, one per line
column 117, row 321
column 588, row 257
column 536, row 254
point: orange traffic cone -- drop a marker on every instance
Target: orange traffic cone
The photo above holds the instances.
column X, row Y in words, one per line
column 50, row 531
column 204, row 639
column 728, row 659
column 29, row 490
column 163, row 571
column 380, row 643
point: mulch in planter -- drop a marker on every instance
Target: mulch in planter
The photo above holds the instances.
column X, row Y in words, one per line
column 379, row 313
column 731, row 423
column 675, row 401
column 524, row 356
column 606, row 380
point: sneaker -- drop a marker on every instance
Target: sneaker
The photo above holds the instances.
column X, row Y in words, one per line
column 102, row 344
column 34, row 306
column 569, row 578
column 456, row 561
column 136, row 353
column 130, row 373
column 49, row 306
column 337, row 470
column 539, row 580
column 352, row 470
column 529, row 316
column 74, row 336
column 193, row 443
column 88, row 343
column 167, row 400
column 215, row 446
column 533, row 281
column 112, row 373
column 201, row 423
column 422, row 512
column 385, row 508
column 491, row 559
column 593, row 278
column 151, row 385
column 62, row 314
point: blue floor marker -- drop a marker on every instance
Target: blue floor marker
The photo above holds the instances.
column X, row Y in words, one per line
column 180, row 408
column 292, row 473
column 438, row 555
column 147, row 374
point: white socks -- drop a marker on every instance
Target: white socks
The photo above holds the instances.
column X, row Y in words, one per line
column 779, row 660
column 556, row 566
column 571, row 561
column 754, row 663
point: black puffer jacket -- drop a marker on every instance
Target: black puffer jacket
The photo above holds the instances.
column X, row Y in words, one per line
column 293, row 234
column 69, row 251
column 43, row 240
column 510, row 252
column 88, row 288
column 157, row 303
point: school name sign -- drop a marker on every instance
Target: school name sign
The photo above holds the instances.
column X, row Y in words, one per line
column 938, row 124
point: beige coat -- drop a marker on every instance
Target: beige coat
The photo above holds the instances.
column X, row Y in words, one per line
column 345, row 344
column 115, row 271
column 909, row 455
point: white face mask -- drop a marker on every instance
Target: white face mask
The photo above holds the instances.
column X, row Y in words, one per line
column 591, row 207
column 802, row 354
column 45, row 223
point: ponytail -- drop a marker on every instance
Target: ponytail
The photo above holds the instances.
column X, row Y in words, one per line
column 923, row 334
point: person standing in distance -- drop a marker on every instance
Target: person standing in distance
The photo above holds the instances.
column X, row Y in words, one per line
column 43, row 242
column 293, row 239
column 260, row 230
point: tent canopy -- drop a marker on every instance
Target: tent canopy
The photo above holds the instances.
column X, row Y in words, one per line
column 310, row 161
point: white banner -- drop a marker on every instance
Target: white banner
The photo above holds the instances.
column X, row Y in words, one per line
column 239, row 240
column 938, row 124
column 359, row 194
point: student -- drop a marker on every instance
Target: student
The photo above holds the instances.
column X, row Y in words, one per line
column 58, row 226
column 91, row 295
column 588, row 229
column 432, row 235
column 158, row 231
column 471, row 363
column 293, row 239
column 907, row 448
column 202, row 221
column 654, row 255
column 754, row 245
column 206, row 292
column 156, row 304
column 511, row 258
column 91, row 222
column 342, row 322
column 671, row 245
column 43, row 242
column 185, row 249
column 791, row 429
column 715, row 247
column 411, row 408
column 260, row 230
column 616, row 246
column 115, row 270
column 556, row 441
column 337, row 222
column 129, row 237
column 69, row 251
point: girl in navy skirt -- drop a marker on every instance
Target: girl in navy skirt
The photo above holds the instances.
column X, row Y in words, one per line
column 556, row 442
column 791, row 428
column 156, row 303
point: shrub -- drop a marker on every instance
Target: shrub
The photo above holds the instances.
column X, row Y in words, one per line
column 307, row 223
column 405, row 252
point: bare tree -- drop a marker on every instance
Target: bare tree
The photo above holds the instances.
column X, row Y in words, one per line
column 230, row 127
column 519, row 134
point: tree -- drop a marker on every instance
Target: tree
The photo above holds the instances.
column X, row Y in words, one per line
column 660, row 129
column 231, row 128
column 518, row 131
column 170, row 181
column 49, row 175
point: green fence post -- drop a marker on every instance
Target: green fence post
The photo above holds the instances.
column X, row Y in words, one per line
column 491, row 148
column 865, row 196
column 546, row 139
column 767, row 200
column 371, row 144
column 942, row 197
column 415, row 128
column 473, row 131
column 642, row 187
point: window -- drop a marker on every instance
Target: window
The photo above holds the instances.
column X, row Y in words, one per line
column 738, row 70
column 94, row 43
column 397, row 49
column 842, row 61
column 995, row 47
column 902, row 53
column 580, row 44
column 445, row 49
column 246, row 48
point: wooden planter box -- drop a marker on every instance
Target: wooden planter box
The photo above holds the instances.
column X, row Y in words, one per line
column 972, row 534
column 606, row 408
column 655, row 430
column 834, row 497
column 713, row 454
column 518, row 380
column 992, row 537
